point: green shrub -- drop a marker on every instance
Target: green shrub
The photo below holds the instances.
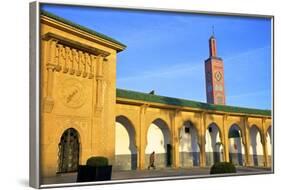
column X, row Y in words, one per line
column 222, row 167
column 97, row 161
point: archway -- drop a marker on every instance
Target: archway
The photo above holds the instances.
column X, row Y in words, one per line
column 256, row 149
column 125, row 148
column 188, row 145
column 68, row 154
column 236, row 148
column 213, row 146
column 269, row 144
column 159, row 141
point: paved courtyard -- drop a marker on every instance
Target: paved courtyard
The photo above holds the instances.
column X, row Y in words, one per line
column 144, row 174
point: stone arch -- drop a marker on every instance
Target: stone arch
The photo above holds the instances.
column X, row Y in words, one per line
column 132, row 123
column 66, row 125
column 213, row 145
column 125, row 144
column 189, row 150
column 256, row 149
column 215, row 123
column 193, row 120
column 159, row 141
column 154, row 118
column 69, row 151
column 62, row 125
column 268, row 127
column 236, row 146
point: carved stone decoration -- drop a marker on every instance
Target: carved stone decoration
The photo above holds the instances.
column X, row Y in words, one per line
column 68, row 59
column 48, row 104
column 86, row 64
column 61, row 56
column 71, row 93
column 74, row 61
column 91, row 65
column 74, row 58
column 48, row 101
column 99, row 63
column 53, row 52
column 81, row 61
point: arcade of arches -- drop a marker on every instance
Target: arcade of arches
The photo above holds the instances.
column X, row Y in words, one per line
column 185, row 138
column 84, row 115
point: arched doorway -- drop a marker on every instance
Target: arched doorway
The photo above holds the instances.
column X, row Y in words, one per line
column 159, row 141
column 256, row 149
column 213, row 146
column 236, row 148
column 68, row 154
column 125, row 148
column 269, row 144
column 188, row 145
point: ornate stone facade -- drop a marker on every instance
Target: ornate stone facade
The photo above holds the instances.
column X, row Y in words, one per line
column 79, row 103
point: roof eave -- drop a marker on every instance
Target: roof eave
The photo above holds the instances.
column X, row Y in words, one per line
column 106, row 40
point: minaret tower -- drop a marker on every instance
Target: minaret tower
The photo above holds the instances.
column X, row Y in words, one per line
column 214, row 75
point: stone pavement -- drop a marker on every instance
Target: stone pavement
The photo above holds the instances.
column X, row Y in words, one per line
column 144, row 174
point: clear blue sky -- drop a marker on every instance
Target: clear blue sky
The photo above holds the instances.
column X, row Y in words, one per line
column 166, row 51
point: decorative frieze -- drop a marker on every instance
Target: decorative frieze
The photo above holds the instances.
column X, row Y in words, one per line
column 73, row 58
column 72, row 61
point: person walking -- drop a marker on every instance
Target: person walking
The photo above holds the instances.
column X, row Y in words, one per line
column 151, row 161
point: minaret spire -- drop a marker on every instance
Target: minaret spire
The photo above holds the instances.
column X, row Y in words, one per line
column 212, row 44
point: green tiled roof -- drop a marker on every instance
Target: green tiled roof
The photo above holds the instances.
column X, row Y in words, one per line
column 51, row 15
column 128, row 94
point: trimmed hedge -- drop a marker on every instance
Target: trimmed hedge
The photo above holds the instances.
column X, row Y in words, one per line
column 97, row 161
column 222, row 167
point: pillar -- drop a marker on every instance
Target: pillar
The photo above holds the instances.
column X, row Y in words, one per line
column 265, row 152
column 50, row 66
column 225, row 139
column 99, row 83
column 175, row 139
column 202, row 140
column 142, row 138
column 247, row 143
column 264, row 145
column 202, row 151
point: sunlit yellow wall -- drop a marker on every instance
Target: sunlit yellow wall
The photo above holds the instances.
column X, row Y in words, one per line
column 84, row 101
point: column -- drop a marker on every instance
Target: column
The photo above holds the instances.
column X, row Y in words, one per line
column 226, row 143
column 175, row 139
column 264, row 144
column 99, row 83
column 202, row 140
column 51, row 66
column 247, row 143
column 142, row 139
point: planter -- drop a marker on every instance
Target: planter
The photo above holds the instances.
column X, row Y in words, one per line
column 91, row 173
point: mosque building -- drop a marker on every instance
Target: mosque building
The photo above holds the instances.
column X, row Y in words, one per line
column 83, row 114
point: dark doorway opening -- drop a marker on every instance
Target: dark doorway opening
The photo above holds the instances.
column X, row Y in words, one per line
column 68, row 151
column 169, row 155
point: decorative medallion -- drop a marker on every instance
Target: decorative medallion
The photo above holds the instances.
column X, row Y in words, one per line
column 218, row 76
column 72, row 93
